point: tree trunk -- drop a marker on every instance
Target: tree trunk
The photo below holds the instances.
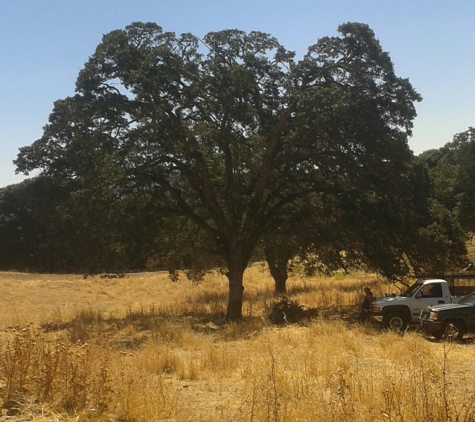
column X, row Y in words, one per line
column 278, row 269
column 234, row 310
column 279, row 273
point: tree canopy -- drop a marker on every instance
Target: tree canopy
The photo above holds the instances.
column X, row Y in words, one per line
column 231, row 133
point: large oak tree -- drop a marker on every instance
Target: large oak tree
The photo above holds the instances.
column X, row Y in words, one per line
column 230, row 132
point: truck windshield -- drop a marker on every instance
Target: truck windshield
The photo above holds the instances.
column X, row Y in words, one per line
column 410, row 291
column 468, row 300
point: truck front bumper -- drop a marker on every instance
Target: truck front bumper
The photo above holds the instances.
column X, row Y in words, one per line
column 376, row 317
column 375, row 311
column 430, row 326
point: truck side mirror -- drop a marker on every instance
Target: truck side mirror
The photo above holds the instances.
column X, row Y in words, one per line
column 418, row 295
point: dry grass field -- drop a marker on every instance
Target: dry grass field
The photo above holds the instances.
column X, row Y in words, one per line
column 144, row 349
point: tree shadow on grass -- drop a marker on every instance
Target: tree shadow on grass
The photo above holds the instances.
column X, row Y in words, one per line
column 138, row 326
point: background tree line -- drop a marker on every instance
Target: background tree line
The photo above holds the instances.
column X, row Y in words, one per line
column 46, row 226
column 183, row 153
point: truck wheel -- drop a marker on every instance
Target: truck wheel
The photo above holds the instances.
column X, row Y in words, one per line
column 395, row 321
column 453, row 331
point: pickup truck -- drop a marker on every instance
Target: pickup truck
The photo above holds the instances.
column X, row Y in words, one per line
column 397, row 311
column 449, row 321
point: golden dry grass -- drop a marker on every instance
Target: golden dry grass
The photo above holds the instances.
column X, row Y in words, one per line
column 142, row 348
column 471, row 251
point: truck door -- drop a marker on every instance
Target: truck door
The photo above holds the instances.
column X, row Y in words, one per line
column 430, row 294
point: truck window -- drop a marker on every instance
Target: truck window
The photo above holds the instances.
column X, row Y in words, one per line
column 468, row 300
column 432, row 290
column 410, row 291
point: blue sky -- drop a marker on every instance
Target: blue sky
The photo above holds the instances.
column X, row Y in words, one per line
column 44, row 44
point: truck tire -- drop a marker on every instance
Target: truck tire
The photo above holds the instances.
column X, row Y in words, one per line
column 453, row 331
column 395, row 321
